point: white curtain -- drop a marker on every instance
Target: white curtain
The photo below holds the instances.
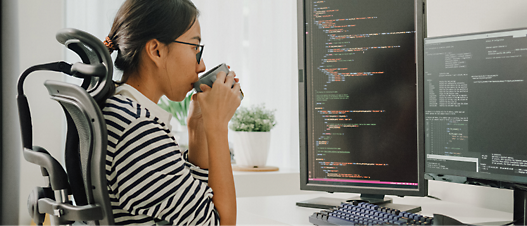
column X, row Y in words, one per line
column 257, row 38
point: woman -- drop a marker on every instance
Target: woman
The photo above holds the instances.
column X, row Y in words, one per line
column 150, row 179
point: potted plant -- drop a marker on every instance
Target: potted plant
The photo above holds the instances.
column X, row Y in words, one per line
column 180, row 112
column 252, row 135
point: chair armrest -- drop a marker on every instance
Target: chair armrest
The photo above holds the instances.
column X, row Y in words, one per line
column 68, row 212
column 57, row 175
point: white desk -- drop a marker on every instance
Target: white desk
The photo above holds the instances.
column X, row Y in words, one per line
column 282, row 210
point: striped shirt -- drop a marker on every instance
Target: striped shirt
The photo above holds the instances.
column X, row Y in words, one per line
column 149, row 178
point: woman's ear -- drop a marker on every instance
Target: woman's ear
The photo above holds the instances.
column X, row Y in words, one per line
column 156, row 52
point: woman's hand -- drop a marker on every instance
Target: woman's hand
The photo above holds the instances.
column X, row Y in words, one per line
column 198, row 145
column 195, row 117
column 219, row 102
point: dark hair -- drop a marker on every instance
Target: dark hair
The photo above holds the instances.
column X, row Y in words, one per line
column 139, row 21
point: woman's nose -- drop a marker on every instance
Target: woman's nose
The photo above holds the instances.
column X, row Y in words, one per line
column 201, row 66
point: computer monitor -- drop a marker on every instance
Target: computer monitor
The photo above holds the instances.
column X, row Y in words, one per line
column 476, row 109
column 360, row 115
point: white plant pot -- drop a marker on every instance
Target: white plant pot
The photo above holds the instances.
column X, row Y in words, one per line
column 251, row 148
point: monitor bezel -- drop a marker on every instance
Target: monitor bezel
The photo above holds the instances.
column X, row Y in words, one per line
column 422, row 190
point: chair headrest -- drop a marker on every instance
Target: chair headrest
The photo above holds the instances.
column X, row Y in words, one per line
column 96, row 60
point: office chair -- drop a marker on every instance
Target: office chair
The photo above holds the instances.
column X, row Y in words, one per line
column 86, row 138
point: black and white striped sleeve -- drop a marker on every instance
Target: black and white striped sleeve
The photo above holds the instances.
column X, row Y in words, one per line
column 152, row 178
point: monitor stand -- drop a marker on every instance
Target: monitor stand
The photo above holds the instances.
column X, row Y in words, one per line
column 380, row 200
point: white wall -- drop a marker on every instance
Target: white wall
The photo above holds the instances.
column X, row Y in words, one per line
column 448, row 17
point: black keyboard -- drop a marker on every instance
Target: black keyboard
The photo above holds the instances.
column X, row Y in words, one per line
column 362, row 213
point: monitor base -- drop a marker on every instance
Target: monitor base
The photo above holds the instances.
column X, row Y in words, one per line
column 373, row 199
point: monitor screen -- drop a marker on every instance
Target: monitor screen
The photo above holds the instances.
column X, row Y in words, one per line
column 476, row 105
column 359, row 68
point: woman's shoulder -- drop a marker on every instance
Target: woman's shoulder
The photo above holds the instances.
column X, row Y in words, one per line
column 123, row 112
column 120, row 103
column 119, row 106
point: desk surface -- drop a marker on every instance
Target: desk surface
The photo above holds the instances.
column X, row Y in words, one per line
column 282, row 210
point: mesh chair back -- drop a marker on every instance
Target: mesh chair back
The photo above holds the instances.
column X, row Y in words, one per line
column 92, row 140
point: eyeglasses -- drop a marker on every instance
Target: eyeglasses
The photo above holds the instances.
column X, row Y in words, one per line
column 198, row 47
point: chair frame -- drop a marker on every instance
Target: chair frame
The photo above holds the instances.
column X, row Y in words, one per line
column 86, row 142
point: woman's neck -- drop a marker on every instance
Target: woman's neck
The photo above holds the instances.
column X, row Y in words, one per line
column 144, row 83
